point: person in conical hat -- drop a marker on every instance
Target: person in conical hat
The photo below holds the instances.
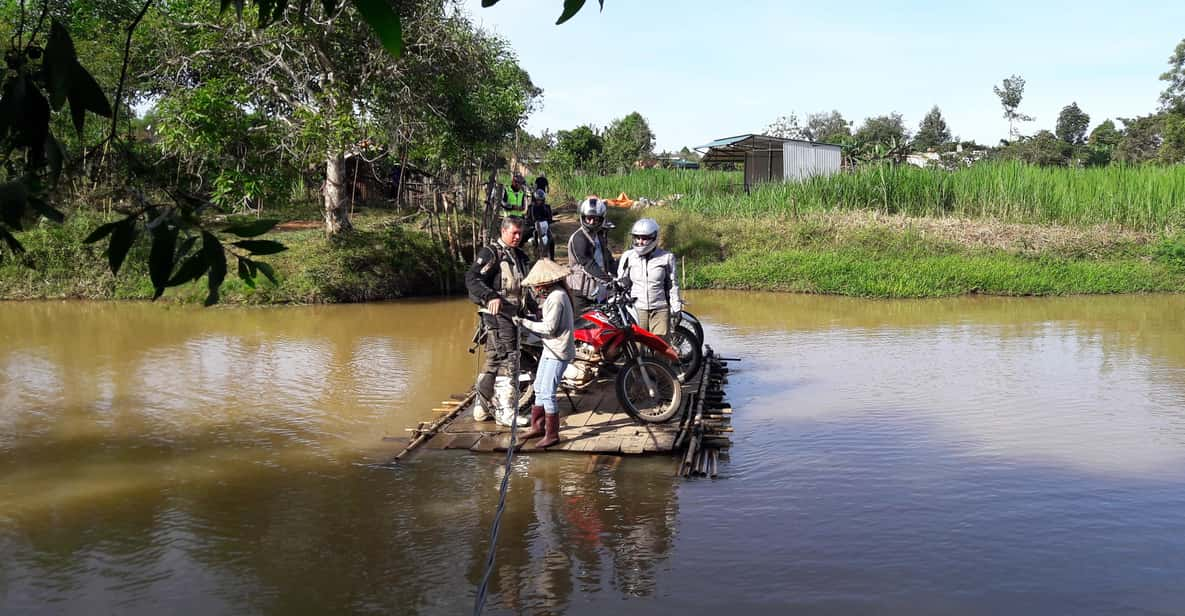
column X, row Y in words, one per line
column 556, row 328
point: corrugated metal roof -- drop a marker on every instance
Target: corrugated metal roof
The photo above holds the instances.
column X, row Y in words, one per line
column 758, row 140
column 723, row 142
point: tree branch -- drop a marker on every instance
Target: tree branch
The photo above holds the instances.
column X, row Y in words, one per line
column 123, row 71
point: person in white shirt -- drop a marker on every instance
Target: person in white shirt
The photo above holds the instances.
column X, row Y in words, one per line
column 647, row 273
column 559, row 346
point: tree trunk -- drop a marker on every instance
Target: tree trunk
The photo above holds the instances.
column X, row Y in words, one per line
column 337, row 216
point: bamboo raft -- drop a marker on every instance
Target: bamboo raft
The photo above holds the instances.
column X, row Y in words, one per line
column 593, row 422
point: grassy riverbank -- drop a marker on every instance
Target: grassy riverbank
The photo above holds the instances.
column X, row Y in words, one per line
column 999, row 229
column 382, row 260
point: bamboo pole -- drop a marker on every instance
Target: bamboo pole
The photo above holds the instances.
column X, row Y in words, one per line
column 434, row 427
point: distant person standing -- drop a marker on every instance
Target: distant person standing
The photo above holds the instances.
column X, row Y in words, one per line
column 540, row 218
column 589, row 257
column 514, row 199
column 647, row 272
column 541, row 183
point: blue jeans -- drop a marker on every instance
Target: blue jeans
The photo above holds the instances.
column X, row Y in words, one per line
column 547, row 380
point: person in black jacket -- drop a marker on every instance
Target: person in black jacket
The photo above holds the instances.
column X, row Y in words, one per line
column 589, row 257
column 494, row 282
column 539, row 221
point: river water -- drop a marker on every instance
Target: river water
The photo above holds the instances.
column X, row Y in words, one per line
column 971, row 456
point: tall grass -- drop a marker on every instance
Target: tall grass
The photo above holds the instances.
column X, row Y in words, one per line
column 1136, row 197
column 653, row 184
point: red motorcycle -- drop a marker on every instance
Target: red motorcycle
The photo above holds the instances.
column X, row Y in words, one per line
column 608, row 341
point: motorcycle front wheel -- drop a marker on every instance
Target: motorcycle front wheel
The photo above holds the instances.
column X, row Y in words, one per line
column 649, row 390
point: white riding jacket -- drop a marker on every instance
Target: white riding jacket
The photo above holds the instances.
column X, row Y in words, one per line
column 651, row 279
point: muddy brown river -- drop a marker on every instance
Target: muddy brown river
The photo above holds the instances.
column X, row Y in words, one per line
column 963, row 456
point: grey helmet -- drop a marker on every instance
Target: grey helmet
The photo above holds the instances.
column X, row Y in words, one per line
column 540, row 196
column 592, row 207
column 645, row 234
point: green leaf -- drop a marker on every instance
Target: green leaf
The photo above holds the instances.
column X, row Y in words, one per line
column 267, row 271
column 54, row 155
column 252, row 228
column 383, row 19
column 186, row 246
column 265, row 11
column 222, row 6
column 160, row 257
column 58, row 65
column 245, row 272
column 12, row 106
column 13, row 200
column 77, row 112
column 122, row 237
column 14, row 244
column 216, row 258
column 571, row 8
column 190, row 270
column 261, row 247
column 46, row 210
column 35, row 124
column 86, row 91
column 100, row 232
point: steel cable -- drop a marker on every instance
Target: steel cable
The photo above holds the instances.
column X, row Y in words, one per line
column 479, row 602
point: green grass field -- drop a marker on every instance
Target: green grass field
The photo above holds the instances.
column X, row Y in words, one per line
column 1147, row 198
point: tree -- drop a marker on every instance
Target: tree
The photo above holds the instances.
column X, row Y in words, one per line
column 785, row 127
column 887, row 130
column 1142, row 138
column 45, row 72
column 627, row 140
column 327, row 87
column 1011, row 93
column 827, row 127
column 1100, row 147
column 1172, row 148
column 1043, row 149
column 579, row 149
column 1072, row 123
column 1173, row 97
column 687, row 153
column 932, row 131
column 1105, row 134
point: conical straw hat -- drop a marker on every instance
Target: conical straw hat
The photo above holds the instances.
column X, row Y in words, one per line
column 545, row 271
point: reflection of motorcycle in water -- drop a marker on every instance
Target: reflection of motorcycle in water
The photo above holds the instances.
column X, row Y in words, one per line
column 607, row 341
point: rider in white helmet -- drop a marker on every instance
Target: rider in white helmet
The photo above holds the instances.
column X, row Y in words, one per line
column 589, row 256
column 648, row 274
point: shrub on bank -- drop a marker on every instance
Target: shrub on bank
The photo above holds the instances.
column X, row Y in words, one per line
column 381, row 260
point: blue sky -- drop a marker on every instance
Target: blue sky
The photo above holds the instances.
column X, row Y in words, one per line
column 699, row 70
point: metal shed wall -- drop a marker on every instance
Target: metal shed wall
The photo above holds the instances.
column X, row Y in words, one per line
column 764, row 165
column 802, row 160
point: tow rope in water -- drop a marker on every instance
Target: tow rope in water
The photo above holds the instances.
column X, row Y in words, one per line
column 480, row 601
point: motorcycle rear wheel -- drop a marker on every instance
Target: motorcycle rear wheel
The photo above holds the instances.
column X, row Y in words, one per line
column 691, row 356
column 636, row 398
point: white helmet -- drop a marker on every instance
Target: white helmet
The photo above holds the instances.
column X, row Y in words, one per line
column 540, row 196
column 592, row 207
column 645, row 233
